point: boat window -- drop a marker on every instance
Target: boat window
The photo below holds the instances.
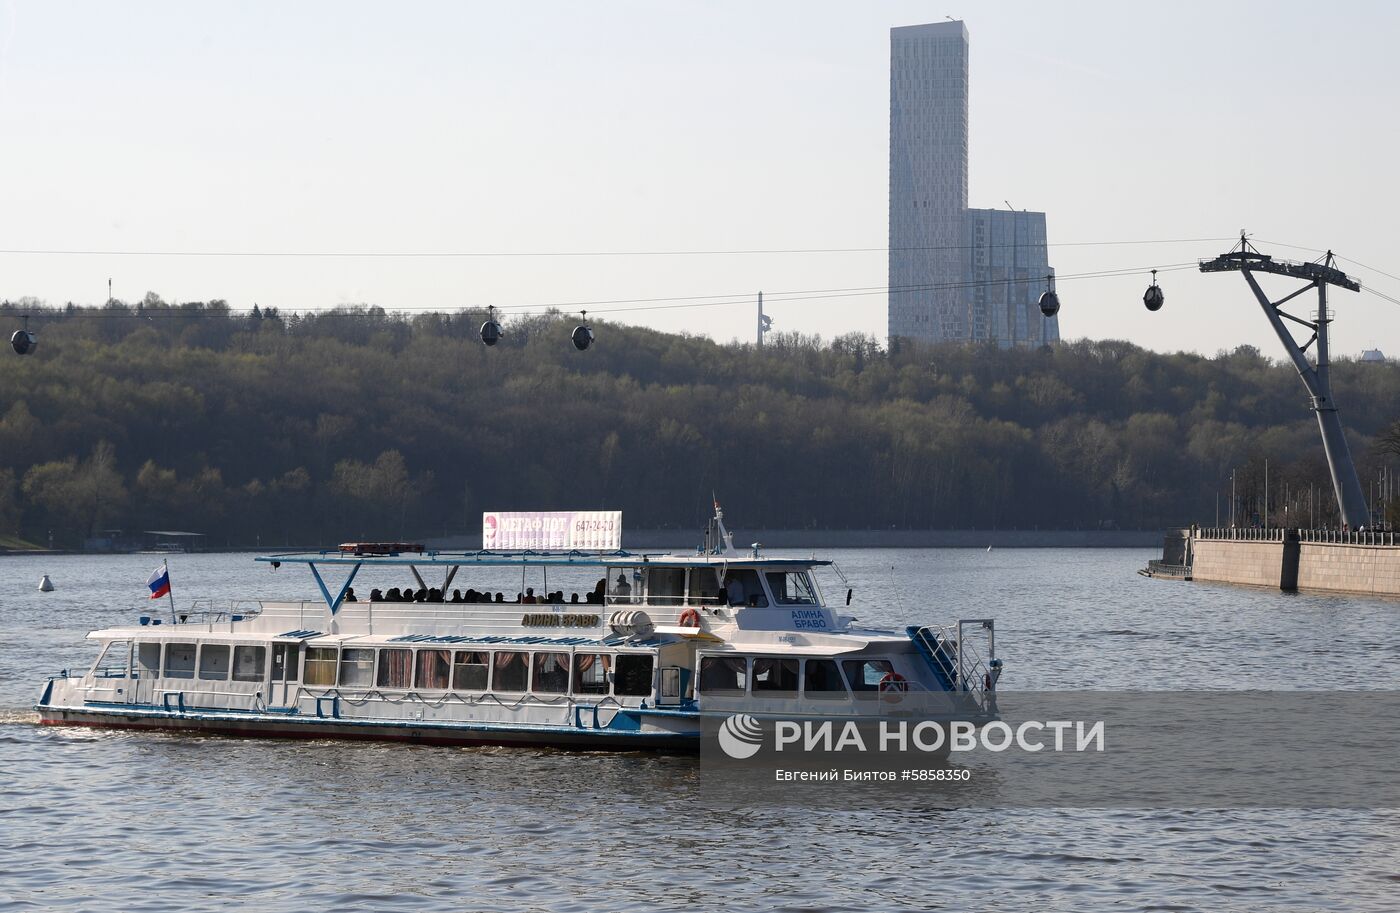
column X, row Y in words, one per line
column 724, row 674
column 357, row 667
column 470, row 670
column 624, row 584
column 285, row 661
column 865, row 675
column 705, row 587
column 148, row 660
column 742, row 588
column 551, row 673
column 511, row 671
column 213, row 662
column 671, row 681
column 633, row 676
column 395, row 669
column 591, row 673
column 320, row 665
column 774, row 677
column 434, row 669
column 666, row 585
column 792, row 588
column 823, row 681
column 115, row 661
column 249, row 663
column 179, row 660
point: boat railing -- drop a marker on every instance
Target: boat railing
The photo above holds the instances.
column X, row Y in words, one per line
column 960, row 662
column 206, row 611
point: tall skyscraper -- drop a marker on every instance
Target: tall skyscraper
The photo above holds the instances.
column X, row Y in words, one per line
column 928, row 178
column 1004, row 270
column 954, row 273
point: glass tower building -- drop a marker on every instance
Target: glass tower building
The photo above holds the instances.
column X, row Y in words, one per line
column 954, row 273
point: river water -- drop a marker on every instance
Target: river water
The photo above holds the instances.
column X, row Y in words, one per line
column 121, row 821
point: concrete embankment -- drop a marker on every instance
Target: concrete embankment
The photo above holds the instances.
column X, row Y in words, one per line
column 1225, row 561
column 1298, row 559
column 1349, row 568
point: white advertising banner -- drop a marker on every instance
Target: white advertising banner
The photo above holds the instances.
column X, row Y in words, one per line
column 592, row 530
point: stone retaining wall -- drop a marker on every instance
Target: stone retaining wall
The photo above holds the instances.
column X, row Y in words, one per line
column 1350, row 568
column 1233, row 561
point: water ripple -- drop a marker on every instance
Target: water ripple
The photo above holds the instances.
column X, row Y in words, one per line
column 145, row 822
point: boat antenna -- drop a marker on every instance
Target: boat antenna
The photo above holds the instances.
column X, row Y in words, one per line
column 718, row 539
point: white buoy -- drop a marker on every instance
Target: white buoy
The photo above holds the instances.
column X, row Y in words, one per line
column 46, row 585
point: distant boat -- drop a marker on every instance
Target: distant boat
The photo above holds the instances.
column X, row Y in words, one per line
column 164, row 548
column 989, row 548
column 170, row 542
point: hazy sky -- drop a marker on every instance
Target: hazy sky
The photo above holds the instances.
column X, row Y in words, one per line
column 664, row 126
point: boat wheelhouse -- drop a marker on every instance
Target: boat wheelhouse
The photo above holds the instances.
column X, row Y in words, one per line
column 635, row 656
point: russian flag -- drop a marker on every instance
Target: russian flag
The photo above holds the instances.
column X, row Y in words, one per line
column 159, row 582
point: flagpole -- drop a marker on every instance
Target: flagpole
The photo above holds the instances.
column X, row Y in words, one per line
column 169, row 590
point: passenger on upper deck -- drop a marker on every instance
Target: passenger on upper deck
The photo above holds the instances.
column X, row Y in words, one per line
column 530, row 597
column 622, row 590
column 376, row 596
column 349, row 595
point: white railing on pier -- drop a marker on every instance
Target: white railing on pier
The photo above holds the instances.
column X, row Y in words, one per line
column 1275, row 534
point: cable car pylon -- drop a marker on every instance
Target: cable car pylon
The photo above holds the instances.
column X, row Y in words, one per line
column 1246, row 258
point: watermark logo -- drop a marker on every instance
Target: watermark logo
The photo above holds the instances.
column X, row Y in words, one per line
column 741, row 736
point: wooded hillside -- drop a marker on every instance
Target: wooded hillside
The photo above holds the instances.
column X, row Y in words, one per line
column 304, row 429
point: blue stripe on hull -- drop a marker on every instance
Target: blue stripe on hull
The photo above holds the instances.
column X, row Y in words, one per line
column 258, row 725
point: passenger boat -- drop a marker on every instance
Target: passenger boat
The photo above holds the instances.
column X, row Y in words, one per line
column 636, row 660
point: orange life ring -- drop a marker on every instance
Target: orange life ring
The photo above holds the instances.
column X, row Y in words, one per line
column 893, row 681
column 689, row 619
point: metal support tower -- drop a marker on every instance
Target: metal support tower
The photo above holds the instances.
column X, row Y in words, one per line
column 765, row 323
column 1246, row 258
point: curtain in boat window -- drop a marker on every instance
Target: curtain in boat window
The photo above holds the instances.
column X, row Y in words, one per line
column 320, row 665
column 591, row 673
column 395, row 669
column 723, row 675
column 470, row 670
column 774, row 677
column 551, row 673
column 434, row 669
column 512, row 671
